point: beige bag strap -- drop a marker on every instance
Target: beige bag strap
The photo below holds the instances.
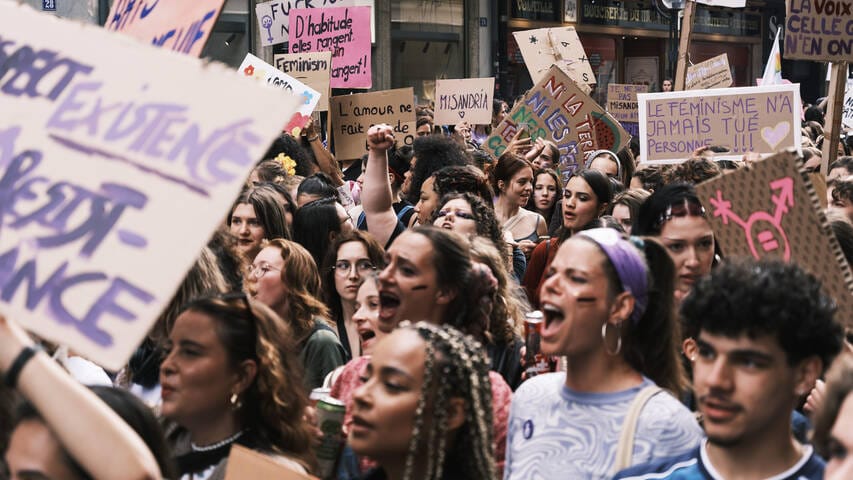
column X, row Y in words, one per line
column 625, row 449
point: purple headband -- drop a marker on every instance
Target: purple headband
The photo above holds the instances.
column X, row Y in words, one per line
column 628, row 263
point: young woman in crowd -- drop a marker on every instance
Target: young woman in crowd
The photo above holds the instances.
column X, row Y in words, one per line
column 609, row 310
column 284, row 277
column 74, row 427
column 315, row 187
column 543, row 155
column 257, row 215
column 585, row 197
column 425, row 408
column 399, row 161
column 833, row 432
column 469, row 215
column 512, row 181
column 626, row 206
column 481, row 132
column 675, row 215
column 546, row 189
column 232, row 376
column 318, row 223
column 352, row 257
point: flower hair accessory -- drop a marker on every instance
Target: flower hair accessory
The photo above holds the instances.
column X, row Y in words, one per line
column 287, row 163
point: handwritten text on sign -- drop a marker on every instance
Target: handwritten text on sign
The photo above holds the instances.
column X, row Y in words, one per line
column 464, row 100
column 116, row 163
column 751, row 119
column 622, row 101
column 174, row 24
column 352, row 115
column 312, row 69
column 274, row 17
column 819, row 30
column 847, row 109
column 712, row 73
column 342, row 31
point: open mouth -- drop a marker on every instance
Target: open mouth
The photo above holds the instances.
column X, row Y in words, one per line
column 447, row 225
column 388, row 305
column 367, row 335
column 553, row 319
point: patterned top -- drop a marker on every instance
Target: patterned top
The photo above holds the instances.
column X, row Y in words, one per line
column 555, row 432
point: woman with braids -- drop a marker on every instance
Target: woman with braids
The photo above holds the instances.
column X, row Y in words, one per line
column 231, row 376
column 284, row 277
column 608, row 305
column 424, row 411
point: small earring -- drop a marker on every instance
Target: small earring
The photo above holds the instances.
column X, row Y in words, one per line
column 235, row 401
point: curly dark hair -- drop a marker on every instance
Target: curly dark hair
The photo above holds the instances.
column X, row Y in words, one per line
column 484, row 214
column 463, row 178
column 288, row 145
column 651, row 177
column 766, row 297
column 694, row 170
column 843, row 190
column 433, row 152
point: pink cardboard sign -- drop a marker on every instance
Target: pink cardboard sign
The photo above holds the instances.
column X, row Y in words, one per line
column 344, row 31
column 177, row 25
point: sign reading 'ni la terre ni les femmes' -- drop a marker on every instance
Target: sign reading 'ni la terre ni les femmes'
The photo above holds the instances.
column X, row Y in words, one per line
column 117, row 161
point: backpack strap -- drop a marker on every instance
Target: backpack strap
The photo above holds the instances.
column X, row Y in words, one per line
column 361, row 221
column 403, row 211
column 625, row 449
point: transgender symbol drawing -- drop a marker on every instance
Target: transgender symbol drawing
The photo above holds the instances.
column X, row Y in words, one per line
column 763, row 230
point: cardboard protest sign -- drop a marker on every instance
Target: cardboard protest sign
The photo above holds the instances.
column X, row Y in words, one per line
column 352, row 115
column 312, row 69
column 341, row 30
column 117, row 161
column 559, row 46
column 173, row 24
column 246, row 463
column 466, row 99
column 557, row 110
column 819, row 30
column 772, row 210
column 762, row 120
column 712, row 73
column 847, row 108
column 254, row 67
column 622, row 101
column 274, row 17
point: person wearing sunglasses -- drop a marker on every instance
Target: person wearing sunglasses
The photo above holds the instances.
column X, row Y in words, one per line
column 231, row 376
column 675, row 215
column 352, row 257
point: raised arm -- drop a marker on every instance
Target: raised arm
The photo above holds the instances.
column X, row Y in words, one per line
column 85, row 426
column 376, row 199
column 325, row 160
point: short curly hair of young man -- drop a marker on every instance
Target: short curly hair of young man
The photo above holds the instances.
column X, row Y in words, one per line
column 758, row 298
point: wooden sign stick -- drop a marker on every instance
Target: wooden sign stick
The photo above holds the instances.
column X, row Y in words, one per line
column 837, row 82
column 684, row 45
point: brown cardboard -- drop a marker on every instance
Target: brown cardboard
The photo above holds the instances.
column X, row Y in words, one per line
column 622, row 101
column 464, row 100
column 712, row 73
column 244, row 463
column 352, row 116
column 771, row 210
column 818, row 30
column 544, row 47
column 310, row 68
column 557, row 110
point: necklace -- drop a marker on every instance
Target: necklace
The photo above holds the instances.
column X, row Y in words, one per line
column 214, row 446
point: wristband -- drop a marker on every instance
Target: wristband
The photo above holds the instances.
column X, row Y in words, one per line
column 315, row 137
column 11, row 377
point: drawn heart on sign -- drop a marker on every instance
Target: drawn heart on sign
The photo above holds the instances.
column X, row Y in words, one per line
column 461, row 114
column 774, row 136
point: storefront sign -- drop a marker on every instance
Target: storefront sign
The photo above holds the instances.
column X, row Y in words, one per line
column 542, row 10
column 622, row 101
column 713, row 73
column 312, row 69
column 178, row 25
column 560, row 46
column 762, row 120
column 771, row 210
column 274, row 22
column 819, row 30
column 342, row 31
column 352, row 115
column 556, row 109
column 117, row 163
column 642, row 14
column 464, row 100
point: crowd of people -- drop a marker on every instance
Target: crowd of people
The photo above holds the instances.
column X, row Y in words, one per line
column 400, row 284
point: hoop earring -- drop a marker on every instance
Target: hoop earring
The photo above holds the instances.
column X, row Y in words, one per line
column 618, row 338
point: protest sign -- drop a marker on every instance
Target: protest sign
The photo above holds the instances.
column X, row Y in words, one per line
column 340, row 30
column 274, row 17
column 556, row 109
column 173, row 24
column 622, row 101
column 312, row 69
column 559, row 46
column 464, row 100
column 352, row 115
column 819, row 30
column 254, row 67
column 772, row 210
column 116, row 164
column 762, row 120
column 246, row 463
column 847, row 108
column 712, row 73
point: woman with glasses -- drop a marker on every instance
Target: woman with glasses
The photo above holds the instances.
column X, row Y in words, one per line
column 284, row 277
column 231, row 376
column 675, row 215
column 352, row 257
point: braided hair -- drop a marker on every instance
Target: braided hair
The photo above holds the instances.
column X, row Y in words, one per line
column 455, row 366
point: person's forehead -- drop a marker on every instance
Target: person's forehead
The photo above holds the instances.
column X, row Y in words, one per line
column 766, row 343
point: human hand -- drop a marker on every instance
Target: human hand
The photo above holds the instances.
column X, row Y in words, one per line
column 380, row 137
column 535, row 149
column 526, row 247
column 310, row 417
column 815, row 399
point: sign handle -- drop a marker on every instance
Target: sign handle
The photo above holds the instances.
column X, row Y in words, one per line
column 832, row 131
column 684, row 45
